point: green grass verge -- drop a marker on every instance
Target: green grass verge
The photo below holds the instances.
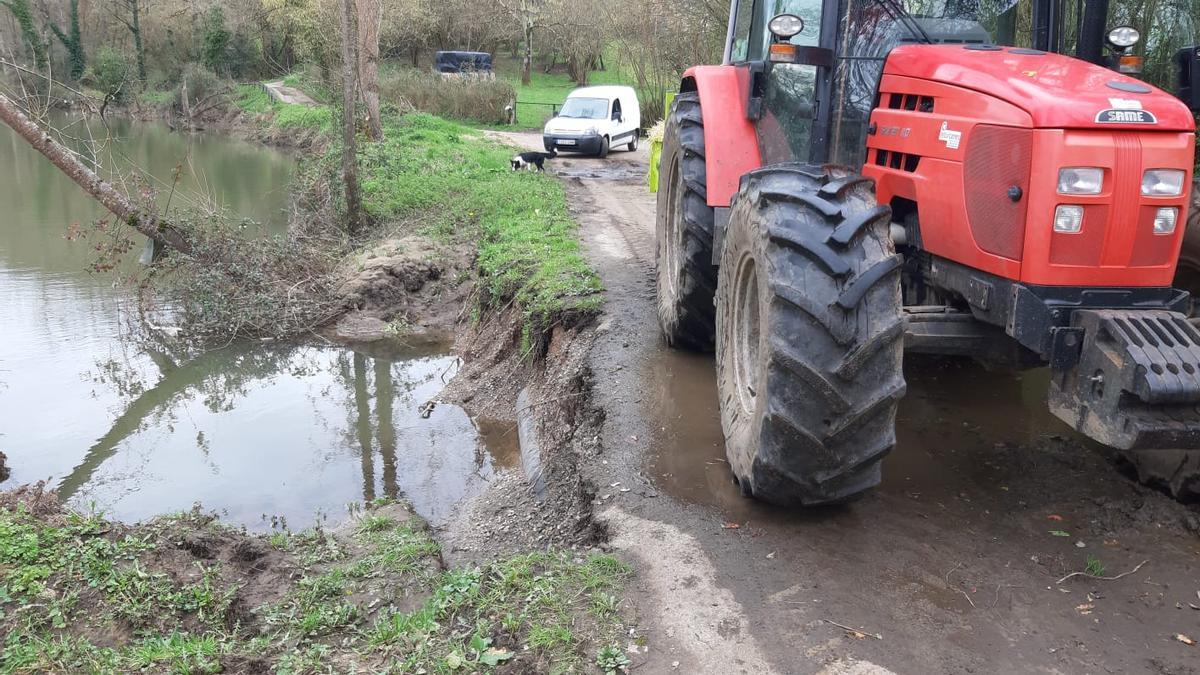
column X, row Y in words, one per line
column 80, row 594
column 157, row 98
column 290, row 116
column 253, row 99
column 456, row 185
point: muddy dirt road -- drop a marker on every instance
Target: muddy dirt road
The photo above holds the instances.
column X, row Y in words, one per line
column 951, row 566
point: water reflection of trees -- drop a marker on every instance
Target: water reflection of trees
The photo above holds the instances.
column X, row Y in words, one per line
column 378, row 392
column 220, row 377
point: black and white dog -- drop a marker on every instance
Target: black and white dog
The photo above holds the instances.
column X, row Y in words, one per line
column 531, row 160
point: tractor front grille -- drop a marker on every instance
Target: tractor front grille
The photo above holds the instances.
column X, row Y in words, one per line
column 998, row 159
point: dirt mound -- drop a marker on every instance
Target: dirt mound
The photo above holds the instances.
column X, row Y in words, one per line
column 405, row 285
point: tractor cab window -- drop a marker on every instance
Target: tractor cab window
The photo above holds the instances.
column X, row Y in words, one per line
column 870, row 29
column 739, row 51
column 785, row 130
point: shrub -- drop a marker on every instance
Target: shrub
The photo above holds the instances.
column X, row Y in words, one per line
column 111, row 74
column 201, row 83
column 473, row 99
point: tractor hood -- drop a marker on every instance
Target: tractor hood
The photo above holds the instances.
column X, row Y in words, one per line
column 1057, row 91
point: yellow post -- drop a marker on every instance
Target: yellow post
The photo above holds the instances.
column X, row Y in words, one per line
column 656, row 146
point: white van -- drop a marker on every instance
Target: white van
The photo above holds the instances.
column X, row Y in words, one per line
column 594, row 120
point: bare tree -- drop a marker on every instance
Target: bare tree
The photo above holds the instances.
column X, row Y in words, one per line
column 529, row 14
column 129, row 13
column 369, row 23
column 120, row 205
column 349, row 145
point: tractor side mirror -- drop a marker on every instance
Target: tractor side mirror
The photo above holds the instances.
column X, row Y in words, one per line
column 1188, row 62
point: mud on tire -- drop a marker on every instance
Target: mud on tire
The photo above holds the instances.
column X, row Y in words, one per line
column 686, row 277
column 809, row 336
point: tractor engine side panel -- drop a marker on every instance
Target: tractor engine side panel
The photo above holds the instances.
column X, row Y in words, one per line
column 730, row 142
column 955, row 153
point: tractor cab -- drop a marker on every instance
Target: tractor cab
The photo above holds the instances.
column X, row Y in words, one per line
column 865, row 177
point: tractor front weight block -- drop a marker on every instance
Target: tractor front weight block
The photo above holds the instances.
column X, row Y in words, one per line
column 1132, row 381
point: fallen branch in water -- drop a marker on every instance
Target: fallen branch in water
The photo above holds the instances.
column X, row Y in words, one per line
column 1093, row 576
column 108, row 196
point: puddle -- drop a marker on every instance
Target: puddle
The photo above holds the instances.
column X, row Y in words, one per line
column 284, row 434
column 954, row 411
column 601, row 170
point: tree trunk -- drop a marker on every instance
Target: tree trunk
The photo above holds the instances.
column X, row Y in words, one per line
column 369, row 24
column 136, row 28
column 349, row 148
column 527, row 59
column 120, row 205
column 187, row 105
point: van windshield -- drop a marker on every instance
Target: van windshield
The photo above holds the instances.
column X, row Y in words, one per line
column 585, row 108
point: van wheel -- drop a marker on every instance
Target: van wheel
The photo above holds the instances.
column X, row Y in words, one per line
column 634, row 143
column 603, row 148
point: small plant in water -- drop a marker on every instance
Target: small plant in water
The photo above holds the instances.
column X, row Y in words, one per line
column 1094, row 567
column 612, row 660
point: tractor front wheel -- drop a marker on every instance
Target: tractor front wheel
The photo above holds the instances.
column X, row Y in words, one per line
column 809, row 336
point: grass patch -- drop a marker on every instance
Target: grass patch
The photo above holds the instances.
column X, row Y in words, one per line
column 457, row 186
column 158, row 99
column 536, row 601
column 253, row 99
column 290, row 116
column 80, row 594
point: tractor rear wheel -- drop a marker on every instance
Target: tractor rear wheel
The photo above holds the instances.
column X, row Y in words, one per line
column 809, row 336
column 686, row 276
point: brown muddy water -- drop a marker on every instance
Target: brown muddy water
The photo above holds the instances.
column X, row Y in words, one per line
column 264, row 435
column 954, row 412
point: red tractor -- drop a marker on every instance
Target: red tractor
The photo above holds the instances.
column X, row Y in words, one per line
column 865, row 177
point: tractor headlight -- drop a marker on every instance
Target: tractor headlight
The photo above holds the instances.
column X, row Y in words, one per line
column 1162, row 183
column 1165, row 219
column 1069, row 219
column 1080, row 181
column 1124, row 37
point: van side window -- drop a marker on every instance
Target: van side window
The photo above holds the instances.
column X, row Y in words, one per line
column 616, row 113
column 740, row 50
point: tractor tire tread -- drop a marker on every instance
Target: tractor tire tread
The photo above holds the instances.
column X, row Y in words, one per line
column 687, row 320
column 834, row 373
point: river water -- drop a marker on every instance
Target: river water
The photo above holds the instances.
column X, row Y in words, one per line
column 262, row 434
